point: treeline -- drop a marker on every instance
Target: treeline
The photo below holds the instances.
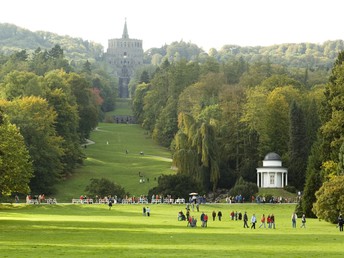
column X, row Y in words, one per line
column 299, row 55
column 221, row 118
column 53, row 108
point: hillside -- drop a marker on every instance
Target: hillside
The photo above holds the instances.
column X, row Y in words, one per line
column 14, row 38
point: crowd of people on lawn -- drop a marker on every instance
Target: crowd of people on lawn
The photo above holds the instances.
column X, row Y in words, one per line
column 261, row 199
column 265, row 221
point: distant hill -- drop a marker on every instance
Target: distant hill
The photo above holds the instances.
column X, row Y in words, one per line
column 14, row 38
column 300, row 55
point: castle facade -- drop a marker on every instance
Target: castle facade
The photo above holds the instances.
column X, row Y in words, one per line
column 124, row 55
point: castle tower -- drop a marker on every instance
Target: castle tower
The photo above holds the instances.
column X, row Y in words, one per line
column 124, row 55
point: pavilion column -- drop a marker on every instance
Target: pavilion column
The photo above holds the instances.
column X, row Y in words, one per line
column 275, row 179
column 283, row 179
column 286, row 178
column 258, row 181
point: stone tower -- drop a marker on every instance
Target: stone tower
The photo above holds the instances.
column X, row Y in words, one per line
column 124, row 55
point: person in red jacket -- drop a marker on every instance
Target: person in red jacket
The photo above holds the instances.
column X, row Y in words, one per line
column 205, row 220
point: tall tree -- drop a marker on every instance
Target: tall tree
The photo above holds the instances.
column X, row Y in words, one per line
column 330, row 199
column 196, row 152
column 298, row 152
column 36, row 121
column 87, row 107
column 15, row 165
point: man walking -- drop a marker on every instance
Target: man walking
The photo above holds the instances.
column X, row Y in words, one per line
column 303, row 220
column 253, row 221
column 293, row 220
column 245, row 220
column 340, row 222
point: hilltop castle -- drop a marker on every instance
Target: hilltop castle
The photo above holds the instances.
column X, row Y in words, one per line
column 124, row 55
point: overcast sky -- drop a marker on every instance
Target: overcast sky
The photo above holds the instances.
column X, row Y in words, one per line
column 206, row 23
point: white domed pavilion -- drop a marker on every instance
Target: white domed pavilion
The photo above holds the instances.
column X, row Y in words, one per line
column 272, row 174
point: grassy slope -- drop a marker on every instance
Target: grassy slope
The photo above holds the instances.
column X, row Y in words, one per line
column 111, row 161
column 94, row 231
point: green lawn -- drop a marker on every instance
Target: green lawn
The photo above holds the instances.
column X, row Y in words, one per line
column 107, row 158
column 95, row 231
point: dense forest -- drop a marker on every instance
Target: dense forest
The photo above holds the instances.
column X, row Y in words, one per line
column 220, row 118
column 219, row 113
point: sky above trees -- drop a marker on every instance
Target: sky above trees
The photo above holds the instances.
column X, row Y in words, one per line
column 206, row 23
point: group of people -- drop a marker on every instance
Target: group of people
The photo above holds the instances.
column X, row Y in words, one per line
column 192, row 221
column 219, row 215
column 35, row 199
column 253, row 220
column 269, row 220
column 294, row 219
column 146, row 211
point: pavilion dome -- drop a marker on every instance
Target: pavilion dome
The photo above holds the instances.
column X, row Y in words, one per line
column 272, row 156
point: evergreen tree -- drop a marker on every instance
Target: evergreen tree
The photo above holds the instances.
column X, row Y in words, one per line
column 297, row 147
column 313, row 180
column 144, row 78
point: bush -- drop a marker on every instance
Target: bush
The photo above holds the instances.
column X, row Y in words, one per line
column 245, row 189
column 290, row 188
column 178, row 185
column 104, row 187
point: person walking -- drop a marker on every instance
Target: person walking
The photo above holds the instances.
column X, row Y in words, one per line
column 148, row 211
column 293, row 220
column 214, row 215
column 303, row 220
column 110, row 204
column 340, row 222
column 268, row 220
column 245, row 220
column 272, row 221
column 253, row 221
column 202, row 219
column 219, row 215
column 262, row 222
column 205, row 218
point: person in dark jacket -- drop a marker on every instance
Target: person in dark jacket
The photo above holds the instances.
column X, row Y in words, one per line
column 245, row 220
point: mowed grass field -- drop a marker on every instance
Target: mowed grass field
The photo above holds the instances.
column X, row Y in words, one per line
column 107, row 158
column 67, row 230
